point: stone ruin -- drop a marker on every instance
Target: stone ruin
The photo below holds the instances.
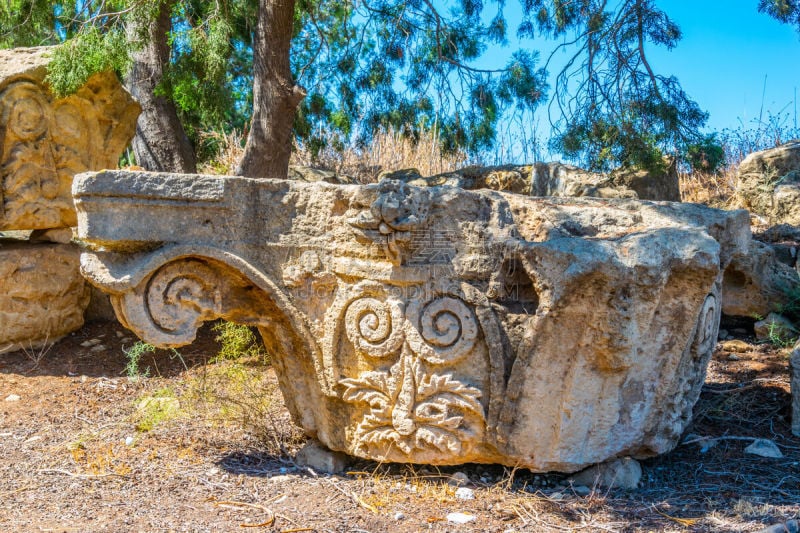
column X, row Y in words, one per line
column 425, row 324
column 44, row 142
column 431, row 325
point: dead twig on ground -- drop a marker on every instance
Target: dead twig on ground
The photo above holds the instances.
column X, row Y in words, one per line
column 79, row 476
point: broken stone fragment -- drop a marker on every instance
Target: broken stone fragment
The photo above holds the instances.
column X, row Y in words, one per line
column 757, row 283
column 769, row 183
column 775, row 328
column 625, row 473
column 42, row 294
column 764, row 448
column 47, row 140
column 431, row 325
column 317, row 457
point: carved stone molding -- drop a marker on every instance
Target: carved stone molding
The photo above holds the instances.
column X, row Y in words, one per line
column 552, row 334
column 45, row 141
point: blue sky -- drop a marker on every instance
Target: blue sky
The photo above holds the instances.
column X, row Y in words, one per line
column 727, row 50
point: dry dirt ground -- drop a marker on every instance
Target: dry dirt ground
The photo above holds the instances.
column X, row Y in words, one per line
column 85, row 448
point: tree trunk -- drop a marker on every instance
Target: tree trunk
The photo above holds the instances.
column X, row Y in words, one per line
column 160, row 143
column 275, row 96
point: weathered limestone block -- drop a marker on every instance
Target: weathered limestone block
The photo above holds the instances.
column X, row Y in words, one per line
column 42, row 294
column 651, row 185
column 44, row 141
column 769, row 183
column 431, row 325
column 757, row 282
column 538, row 179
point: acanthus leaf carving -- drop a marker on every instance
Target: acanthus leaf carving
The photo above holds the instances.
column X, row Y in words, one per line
column 411, row 407
column 44, row 143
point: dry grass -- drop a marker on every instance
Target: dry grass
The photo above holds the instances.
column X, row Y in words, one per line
column 389, row 150
column 712, row 189
column 229, row 150
column 242, row 392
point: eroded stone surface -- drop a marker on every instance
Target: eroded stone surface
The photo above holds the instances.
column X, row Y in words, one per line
column 757, row 282
column 431, row 325
column 769, row 183
column 46, row 141
column 42, row 294
column 538, row 179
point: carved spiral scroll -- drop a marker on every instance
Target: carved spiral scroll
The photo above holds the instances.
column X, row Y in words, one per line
column 168, row 308
column 707, row 326
column 375, row 326
column 443, row 330
column 26, row 113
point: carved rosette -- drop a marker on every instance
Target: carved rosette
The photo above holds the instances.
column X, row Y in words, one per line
column 391, row 218
column 420, row 401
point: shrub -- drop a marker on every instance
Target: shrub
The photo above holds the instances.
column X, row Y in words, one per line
column 237, row 341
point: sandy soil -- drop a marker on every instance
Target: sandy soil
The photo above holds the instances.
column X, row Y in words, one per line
column 85, row 448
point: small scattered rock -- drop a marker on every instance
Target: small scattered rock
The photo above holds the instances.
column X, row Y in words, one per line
column 459, row 479
column 460, row 518
column 707, row 445
column 129, row 441
column 99, row 348
column 320, row 458
column 119, row 334
column 736, row 346
column 13, row 398
column 764, row 448
column 622, row 473
column 464, row 493
column 581, row 490
column 792, row 526
column 91, row 342
column 734, row 357
column 775, row 328
column 399, row 516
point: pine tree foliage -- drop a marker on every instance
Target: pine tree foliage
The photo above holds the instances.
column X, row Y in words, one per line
column 786, row 11
column 380, row 64
column 365, row 65
column 411, row 65
column 612, row 107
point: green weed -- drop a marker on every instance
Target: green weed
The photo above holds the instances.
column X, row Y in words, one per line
column 155, row 408
column 236, row 342
column 134, row 355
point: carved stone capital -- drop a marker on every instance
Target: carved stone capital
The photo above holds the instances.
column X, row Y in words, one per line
column 433, row 325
